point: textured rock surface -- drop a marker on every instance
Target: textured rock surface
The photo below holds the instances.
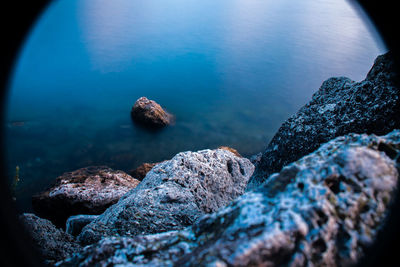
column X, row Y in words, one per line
column 322, row 210
column 150, row 113
column 340, row 106
column 88, row 190
column 174, row 194
column 52, row 244
column 75, row 223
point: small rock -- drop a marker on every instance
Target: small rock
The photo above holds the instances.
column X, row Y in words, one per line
column 150, row 113
column 89, row 190
column 141, row 171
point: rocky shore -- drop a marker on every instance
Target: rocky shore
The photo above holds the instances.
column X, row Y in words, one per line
column 318, row 195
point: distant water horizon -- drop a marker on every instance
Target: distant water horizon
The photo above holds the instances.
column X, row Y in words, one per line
column 231, row 72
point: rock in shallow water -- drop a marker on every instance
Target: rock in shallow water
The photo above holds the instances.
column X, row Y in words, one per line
column 339, row 107
column 174, row 194
column 322, row 210
column 75, row 223
column 89, row 190
column 52, row 244
column 150, row 113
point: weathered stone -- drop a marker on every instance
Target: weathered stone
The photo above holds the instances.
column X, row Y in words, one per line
column 339, row 107
column 75, row 223
column 88, row 190
column 52, row 243
column 322, row 210
column 150, row 113
column 174, row 194
column 234, row 151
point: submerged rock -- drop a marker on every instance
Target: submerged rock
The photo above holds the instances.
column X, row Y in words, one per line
column 89, row 190
column 150, row 113
column 174, row 194
column 340, row 106
column 322, row 210
column 52, row 243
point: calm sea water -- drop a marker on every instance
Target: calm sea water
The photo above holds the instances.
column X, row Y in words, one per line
column 230, row 70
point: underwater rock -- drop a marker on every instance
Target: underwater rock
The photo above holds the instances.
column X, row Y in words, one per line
column 89, row 190
column 323, row 210
column 174, row 194
column 52, row 243
column 141, row 171
column 234, row 151
column 339, row 107
column 75, row 223
column 150, row 113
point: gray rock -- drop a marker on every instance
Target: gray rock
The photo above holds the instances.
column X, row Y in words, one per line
column 75, row 223
column 322, row 210
column 339, row 107
column 174, row 194
column 52, row 243
column 89, row 190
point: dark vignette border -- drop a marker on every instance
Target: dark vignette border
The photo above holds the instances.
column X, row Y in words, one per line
column 16, row 19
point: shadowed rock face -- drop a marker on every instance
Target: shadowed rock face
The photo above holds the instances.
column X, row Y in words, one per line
column 150, row 113
column 340, row 106
column 51, row 243
column 174, row 194
column 89, row 190
column 322, row 210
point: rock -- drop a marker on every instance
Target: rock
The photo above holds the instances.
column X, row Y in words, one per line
column 52, row 243
column 75, row 223
column 255, row 159
column 322, row 210
column 340, row 106
column 150, row 113
column 88, row 190
column 234, row 151
column 174, row 194
column 141, row 171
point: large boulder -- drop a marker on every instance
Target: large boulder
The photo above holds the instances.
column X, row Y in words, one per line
column 150, row 113
column 339, row 107
column 52, row 243
column 325, row 209
column 174, row 194
column 89, row 190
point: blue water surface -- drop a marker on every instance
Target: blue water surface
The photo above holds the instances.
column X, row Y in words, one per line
column 231, row 71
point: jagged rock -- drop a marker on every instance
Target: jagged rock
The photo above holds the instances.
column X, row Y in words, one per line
column 339, row 107
column 322, row 210
column 150, row 113
column 174, row 194
column 75, row 223
column 234, row 151
column 52, row 243
column 141, row 171
column 89, row 190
